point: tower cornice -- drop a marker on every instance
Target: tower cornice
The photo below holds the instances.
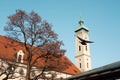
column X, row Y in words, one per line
column 82, row 55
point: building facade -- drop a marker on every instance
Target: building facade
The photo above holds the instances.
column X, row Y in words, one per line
column 13, row 63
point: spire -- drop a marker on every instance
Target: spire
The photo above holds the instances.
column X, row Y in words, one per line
column 81, row 26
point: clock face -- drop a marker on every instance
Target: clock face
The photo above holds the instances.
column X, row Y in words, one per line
column 85, row 38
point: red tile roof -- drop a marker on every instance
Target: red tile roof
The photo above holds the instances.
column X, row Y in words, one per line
column 8, row 50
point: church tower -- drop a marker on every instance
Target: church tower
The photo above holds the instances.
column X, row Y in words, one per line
column 83, row 58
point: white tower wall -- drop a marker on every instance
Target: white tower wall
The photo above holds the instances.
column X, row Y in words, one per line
column 83, row 58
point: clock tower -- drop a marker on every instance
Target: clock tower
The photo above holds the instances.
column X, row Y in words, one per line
column 83, row 58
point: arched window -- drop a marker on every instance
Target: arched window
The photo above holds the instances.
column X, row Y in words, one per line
column 80, row 65
column 87, row 65
column 79, row 48
column 19, row 58
column 86, row 48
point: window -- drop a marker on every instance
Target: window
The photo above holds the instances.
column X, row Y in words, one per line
column 79, row 48
column 33, row 73
column 20, row 55
column 5, row 46
column 14, row 49
column 80, row 65
column 87, row 65
column 80, row 59
column 21, row 71
column 86, row 48
column 19, row 58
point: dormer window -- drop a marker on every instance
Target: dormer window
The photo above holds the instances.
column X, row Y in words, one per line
column 20, row 56
column 5, row 46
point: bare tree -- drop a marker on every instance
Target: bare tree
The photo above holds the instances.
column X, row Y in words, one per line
column 38, row 39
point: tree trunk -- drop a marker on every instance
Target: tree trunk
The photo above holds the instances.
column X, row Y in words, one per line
column 28, row 72
column 29, row 58
column 28, row 66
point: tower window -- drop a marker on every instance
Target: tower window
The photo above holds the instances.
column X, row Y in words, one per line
column 80, row 59
column 87, row 59
column 87, row 65
column 86, row 48
column 79, row 48
column 80, row 65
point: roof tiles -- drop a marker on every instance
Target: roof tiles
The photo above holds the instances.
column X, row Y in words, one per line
column 9, row 48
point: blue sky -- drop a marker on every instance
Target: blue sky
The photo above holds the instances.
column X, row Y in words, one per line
column 102, row 18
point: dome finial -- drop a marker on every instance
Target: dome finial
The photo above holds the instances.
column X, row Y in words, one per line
column 81, row 22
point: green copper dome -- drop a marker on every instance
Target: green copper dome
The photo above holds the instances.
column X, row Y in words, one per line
column 81, row 26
